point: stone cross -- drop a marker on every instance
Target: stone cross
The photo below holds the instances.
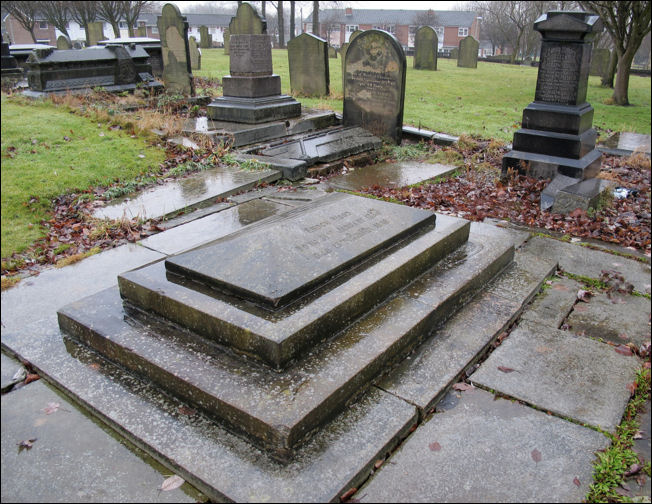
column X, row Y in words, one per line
column 374, row 85
column 308, row 60
column 173, row 29
column 426, row 45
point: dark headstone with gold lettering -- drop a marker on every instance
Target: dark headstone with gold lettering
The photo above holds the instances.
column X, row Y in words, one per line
column 556, row 136
column 374, row 84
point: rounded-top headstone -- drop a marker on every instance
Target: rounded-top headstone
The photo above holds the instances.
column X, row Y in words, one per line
column 354, row 35
column 247, row 22
column 374, row 84
column 63, row 42
column 426, row 45
column 468, row 54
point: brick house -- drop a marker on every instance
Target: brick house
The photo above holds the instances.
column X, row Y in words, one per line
column 336, row 25
column 15, row 34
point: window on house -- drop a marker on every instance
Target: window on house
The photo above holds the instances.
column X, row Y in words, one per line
column 387, row 27
column 412, row 30
column 335, row 28
column 154, row 29
column 462, row 32
column 352, row 28
column 43, row 25
column 440, row 32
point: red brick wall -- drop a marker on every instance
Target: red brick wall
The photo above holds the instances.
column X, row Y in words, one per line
column 19, row 35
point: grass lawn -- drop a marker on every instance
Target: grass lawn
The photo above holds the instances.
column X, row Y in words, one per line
column 48, row 151
column 487, row 102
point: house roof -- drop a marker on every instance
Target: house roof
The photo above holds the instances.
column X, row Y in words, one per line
column 193, row 19
column 393, row 16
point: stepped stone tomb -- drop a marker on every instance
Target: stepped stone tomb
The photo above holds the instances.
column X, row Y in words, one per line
column 251, row 92
column 112, row 67
column 374, row 84
column 556, row 139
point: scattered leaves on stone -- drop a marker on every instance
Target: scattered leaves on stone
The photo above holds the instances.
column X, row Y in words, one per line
column 26, row 444
column 536, row 455
column 623, row 350
column 506, row 369
column 172, row 483
column 576, row 481
column 31, row 377
column 584, row 295
column 461, row 386
column 434, row 446
column 348, row 494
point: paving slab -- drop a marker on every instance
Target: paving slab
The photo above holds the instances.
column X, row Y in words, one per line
column 486, row 450
column 221, row 465
column 212, row 227
column 9, row 369
column 183, row 217
column 196, row 190
column 553, row 305
column 390, row 175
column 622, row 319
column 38, row 298
column 92, row 466
column 587, row 262
column 626, row 143
column 643, row 448
column 571, row 376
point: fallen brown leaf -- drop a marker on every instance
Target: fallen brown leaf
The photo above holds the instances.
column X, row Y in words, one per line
column 506, row 369
column 172, row 483
column 536, row 455
column 435, row 446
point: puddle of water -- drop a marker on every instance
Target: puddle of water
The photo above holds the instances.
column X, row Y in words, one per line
column 390, row 175
column 629, row 142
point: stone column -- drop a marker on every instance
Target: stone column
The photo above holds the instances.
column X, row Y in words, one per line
column 556, row 136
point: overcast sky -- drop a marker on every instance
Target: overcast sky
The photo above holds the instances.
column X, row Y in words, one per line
column 406, row 5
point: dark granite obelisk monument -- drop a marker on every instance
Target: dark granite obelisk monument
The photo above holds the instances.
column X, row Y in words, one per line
column 252, row 92
column 556, row 136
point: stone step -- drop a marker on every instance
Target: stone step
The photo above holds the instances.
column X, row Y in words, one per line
column 278, row 337
column 280, row 410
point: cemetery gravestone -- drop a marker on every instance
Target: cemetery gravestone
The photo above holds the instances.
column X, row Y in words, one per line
column 332, row 53
column 426, row 45
column 354, row 35
column 9, row 63
column 343, row 49
column 227, row 40
column 599, row 62
column 374, row 87
column 141, row 31
column 556, row 136
column 308, row 59
column 95, row 32
column 251, row 93
column 173, row 29
column 63, row 42
column 468, row 53
column 195, row 55
column 455, row 53
column 205, row 39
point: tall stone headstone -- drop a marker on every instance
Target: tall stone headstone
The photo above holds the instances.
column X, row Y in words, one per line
column 205, row 38
column 252, row 92
column 175, row 50
column 332, row 52
column 63, row 42
column 308, row 59
column 556, row 136
column 455, row 52
column 468, row 54
column 195, row 55
column 426, row 46
column 599, row 62
column 227, row 41
column 95, row 32
column 374, row 85
column 141, row 31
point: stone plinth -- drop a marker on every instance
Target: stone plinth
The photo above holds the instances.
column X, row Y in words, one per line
column 556, row 135
column 308, row 59
column 426, row 45
column 252, row 93
column 374, row 84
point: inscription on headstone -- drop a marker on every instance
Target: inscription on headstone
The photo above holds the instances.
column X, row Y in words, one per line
column 468, row 53
column 559, row 74
column 173, row 29
column 425, row 49
column 374, row 87
column 251, row 55
column 308, row 60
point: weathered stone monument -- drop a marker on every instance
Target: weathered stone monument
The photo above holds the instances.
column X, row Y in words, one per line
column 556, row 136
column 599, row 61
column 95, row 32
column 556, row 139
column 455, row 52
column 205, row 38
column 426, row 46
column 63, row 42
column 227, row 39
column 332, row 52
column 151, row 45
column 9, row 63
column 308, row 60
column 141, row 31
column 173, row 29
column 195, row 55
column 374, row 84
column 354, row 35
column 252, row 92
column 468, row 53
column 113, row 67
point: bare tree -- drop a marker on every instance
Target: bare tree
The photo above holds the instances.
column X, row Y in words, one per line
column 281, row 24
column 628, row 22
column 426, row 18
column 315, row 17
column 24, row 13
column 57, row 13
column 84, row 12
column 293, row 15
column 111, row 12
column 130, row 11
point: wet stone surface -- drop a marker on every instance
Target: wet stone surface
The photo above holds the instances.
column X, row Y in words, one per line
column 622, row 319
column 627, row 143
column 553, row 305
column 484, row 450
column 554, row 370
column 390, row 175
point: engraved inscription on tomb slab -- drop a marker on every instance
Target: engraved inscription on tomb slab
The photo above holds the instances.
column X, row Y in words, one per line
column 276, row 262
column 250, row 55
column 559, row 73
